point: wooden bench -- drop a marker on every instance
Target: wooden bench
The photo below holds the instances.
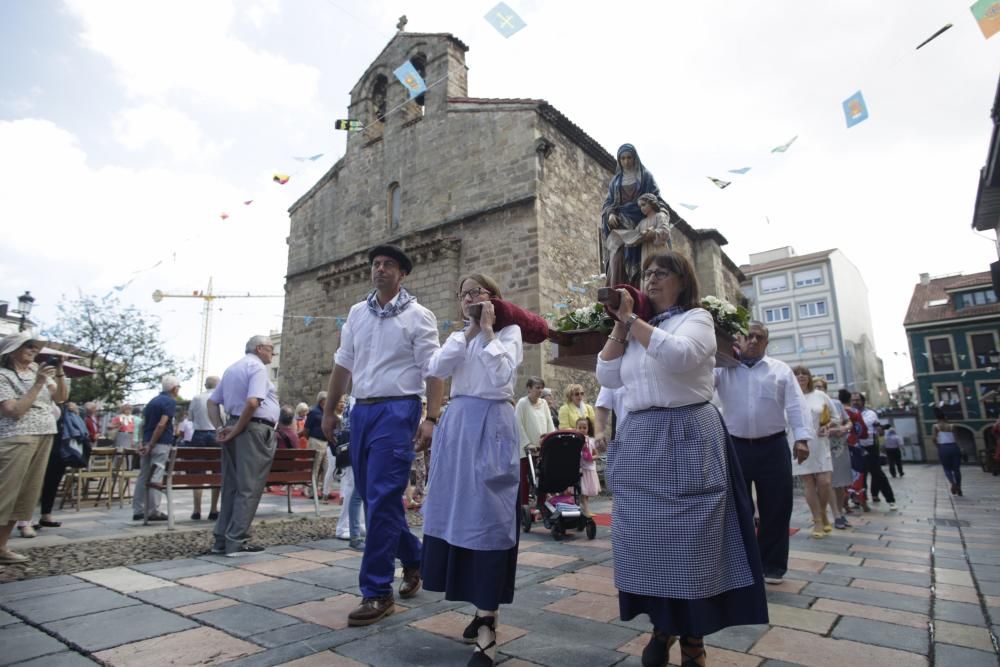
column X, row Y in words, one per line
column 201, row 468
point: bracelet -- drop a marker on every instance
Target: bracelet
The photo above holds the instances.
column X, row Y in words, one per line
column 617, row 339
column 433, row 420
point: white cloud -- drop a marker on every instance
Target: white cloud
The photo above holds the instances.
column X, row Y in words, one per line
column 151, row 124
column 188, row 47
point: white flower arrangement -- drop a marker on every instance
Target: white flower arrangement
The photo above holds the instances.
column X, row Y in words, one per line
column 728, row 317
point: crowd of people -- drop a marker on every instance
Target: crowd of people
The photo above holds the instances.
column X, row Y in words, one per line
column 700, row 459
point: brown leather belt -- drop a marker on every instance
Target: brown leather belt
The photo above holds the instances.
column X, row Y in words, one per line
column 385, row 399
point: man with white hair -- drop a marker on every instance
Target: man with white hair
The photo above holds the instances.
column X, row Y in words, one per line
column 157, row 437
column 248, row 442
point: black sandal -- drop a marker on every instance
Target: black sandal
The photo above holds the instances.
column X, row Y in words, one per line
column 657, row 651
column 692, row 654
column 472, row 629
column 479, row 657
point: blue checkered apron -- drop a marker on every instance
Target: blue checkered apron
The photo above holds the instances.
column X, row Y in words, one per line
column 674, row 528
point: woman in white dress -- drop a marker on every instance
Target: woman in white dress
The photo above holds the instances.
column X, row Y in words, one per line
column 816, row 471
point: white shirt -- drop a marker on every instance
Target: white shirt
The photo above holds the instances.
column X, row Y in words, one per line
column 763, row 400
column 187, row 430
column 533, row 421
column 388, row 356
column 198, row 410
column 614, row 400
column 478, row 368
column 675, row 370
column 871, row 419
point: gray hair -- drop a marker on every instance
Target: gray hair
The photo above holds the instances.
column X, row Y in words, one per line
column 301, row 407
column 211, row 382
column 255, row 342
column 320, row 396
column 757, row 324
column 169, row 382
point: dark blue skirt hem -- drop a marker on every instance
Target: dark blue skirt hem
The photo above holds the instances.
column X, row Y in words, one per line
column 483, row 578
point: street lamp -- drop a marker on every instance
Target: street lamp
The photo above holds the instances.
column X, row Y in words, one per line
column 24, row 304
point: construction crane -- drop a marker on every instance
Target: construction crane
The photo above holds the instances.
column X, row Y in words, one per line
column 206, row 315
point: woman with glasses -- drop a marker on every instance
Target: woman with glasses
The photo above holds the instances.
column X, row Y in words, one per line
column 575, row 408
column 682, row 529
column 471, row 518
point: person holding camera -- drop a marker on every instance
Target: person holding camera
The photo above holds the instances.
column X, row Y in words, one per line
column 28, row 413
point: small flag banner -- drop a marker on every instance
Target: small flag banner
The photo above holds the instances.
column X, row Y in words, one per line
column 348, row 124
column 720, row 183
column 987, row 14
column 409, row 77
column 855, row 109
column 505, row 20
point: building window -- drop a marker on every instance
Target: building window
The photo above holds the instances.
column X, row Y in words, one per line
column 392, row 203
column 817, row 341
column 978, row 298
column 808, row 277
column 989, row 396
column 777, row 314
column 776, row 283
column 783, row 345
column 812, row 309
column 949, row 400
column 984, row 350
column 829, row 373
column 941, row 356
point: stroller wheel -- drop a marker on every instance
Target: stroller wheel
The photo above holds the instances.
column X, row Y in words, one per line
column 526, row 519
column 557, row 533
column 591, row 529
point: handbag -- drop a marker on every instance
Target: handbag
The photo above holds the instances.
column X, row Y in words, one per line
column 74, row 453
column 342, row 450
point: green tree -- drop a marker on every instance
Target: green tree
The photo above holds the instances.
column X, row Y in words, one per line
column 121, row 343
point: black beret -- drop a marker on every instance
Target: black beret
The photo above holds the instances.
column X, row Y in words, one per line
column 387, row 250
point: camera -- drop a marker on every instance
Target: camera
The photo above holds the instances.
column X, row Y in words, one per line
column 609, row 296
column 476, row 311
column 54, row 360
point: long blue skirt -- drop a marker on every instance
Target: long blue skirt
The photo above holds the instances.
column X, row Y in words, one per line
column 691, row 615
column 483, row 578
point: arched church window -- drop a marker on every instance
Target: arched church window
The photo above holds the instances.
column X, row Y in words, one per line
column 393, row 197
column 379, row 87
column 420, row 64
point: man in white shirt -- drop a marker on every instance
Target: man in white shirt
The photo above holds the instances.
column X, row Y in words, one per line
column 385, row 350
column 760, row 399
column 204, row 436
column 534, row 421
column 877, row 480
column 610, row 402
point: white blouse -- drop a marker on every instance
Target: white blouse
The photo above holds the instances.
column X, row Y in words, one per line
column 478, row 368
column 675, row 370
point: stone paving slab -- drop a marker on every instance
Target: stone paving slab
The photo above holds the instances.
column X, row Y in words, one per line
column 200, row 646
column 22, row 642
column 245, row 620
column 174, row 596
column 106, row 629
column 90, row 600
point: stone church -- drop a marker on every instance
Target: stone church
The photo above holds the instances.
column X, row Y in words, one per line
column 506, row 187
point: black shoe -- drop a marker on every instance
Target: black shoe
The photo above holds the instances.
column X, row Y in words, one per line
column 159, row 516
column 42, row 523
column 196, row 516
column 218, row 551
column 138, row 517
column 212, row 516
column 245, row 549
column 656, row 651
column 479, row 657
column 472, row 629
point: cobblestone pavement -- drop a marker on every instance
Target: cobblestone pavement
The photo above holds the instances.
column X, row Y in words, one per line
column 910, row 587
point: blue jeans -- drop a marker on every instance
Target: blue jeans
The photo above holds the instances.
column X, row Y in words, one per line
column 951, row 461
column 354, row 513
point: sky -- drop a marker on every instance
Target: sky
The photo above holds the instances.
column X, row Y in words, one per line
column 128, row 128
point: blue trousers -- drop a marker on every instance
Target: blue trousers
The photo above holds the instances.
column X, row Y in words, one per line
column 951, row 460
column 381, row 456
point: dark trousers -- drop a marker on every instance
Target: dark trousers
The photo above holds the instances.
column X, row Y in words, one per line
column 54, row 471
column 951, row 461
column 767, row 465
column 895, row 457
column 876, row 477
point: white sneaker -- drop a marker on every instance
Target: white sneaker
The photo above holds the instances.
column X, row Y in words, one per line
column 773, row 580
column 892, row 507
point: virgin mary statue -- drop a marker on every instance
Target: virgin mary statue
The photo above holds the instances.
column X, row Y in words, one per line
column 621, row 216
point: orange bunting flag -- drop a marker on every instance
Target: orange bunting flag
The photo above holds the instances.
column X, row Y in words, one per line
column 281, row 178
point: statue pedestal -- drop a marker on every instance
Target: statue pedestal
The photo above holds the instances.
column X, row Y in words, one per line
column 579, row 349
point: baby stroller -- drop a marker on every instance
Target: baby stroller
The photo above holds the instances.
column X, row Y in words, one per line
column 557, row 468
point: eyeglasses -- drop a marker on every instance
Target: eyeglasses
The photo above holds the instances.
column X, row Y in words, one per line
column 578, row 393
column 660, row 274
column 473, row 293
column 756, row 336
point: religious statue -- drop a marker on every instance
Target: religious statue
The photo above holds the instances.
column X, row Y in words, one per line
column 625, row 227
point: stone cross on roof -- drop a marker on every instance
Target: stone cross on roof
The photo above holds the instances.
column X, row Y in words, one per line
column 401, row 25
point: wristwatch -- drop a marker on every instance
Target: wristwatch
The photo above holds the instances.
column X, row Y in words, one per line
column 433, row 420
column 631, row 320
